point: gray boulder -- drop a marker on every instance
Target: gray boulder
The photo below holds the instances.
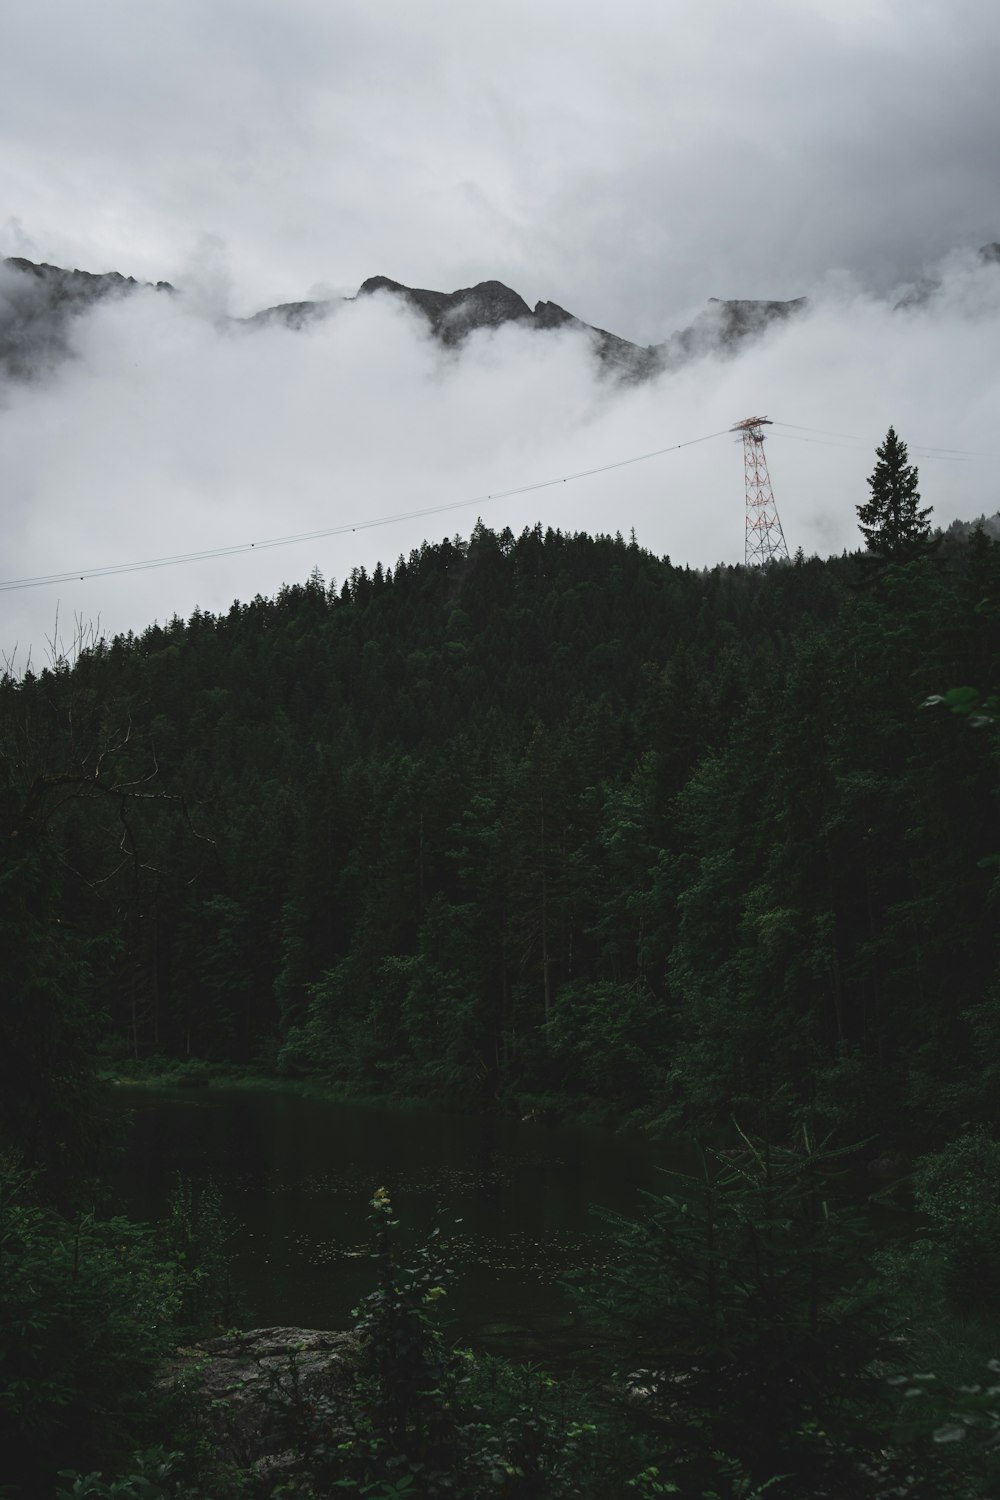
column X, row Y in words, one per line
column 256, row 1393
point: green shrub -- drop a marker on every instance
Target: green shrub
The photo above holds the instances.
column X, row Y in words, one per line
column 192, row 1074
column 958, row 1191
column 421, row 1418
column 737, row 1313
column 153, row 1476
column 195, row 1236
column 87, row 1310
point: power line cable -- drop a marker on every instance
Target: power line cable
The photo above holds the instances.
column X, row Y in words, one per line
column 915, row 448
column 824, row 430
column 959, row 452
column 926, row 455
column 80, row 574
column 790, row 437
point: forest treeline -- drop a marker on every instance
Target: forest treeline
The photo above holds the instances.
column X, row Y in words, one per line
column 526, row 822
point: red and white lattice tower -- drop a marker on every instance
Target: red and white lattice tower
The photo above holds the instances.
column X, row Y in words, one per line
column 765, row 538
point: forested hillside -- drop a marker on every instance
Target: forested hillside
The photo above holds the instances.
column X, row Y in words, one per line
column 537, row 822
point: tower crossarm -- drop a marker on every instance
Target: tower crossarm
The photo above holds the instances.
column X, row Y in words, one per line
column 749, row 423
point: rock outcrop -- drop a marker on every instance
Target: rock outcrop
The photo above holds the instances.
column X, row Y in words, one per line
column 926, row 289
column 37, row 303
column 453, row 315
column 252, row 1388
column 723, row 326
column 292, row 314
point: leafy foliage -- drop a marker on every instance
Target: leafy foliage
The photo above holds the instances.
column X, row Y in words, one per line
column 154, row 1476
column 195, row 1236
column 422, row 1418
column 741, row 1302
column 87, row 1310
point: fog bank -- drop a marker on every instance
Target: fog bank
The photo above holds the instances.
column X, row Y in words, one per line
column 167, row 431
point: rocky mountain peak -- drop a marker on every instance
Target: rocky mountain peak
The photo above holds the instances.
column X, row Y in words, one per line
column 453, row 315
column 926, row 288
column 36, row 302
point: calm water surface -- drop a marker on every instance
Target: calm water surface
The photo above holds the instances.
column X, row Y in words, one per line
column 296, row 1175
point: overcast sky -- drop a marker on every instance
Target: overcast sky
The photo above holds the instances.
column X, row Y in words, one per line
column 626, row 161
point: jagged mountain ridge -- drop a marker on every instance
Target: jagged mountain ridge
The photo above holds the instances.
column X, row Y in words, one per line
column 926, row 289
column 79, row 286
column 38, row 301
column 490, row 304
column 36, row 304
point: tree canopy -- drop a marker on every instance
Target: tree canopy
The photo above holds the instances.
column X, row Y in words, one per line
column 541, row 818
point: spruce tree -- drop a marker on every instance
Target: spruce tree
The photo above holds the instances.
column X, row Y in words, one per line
column 891, row 523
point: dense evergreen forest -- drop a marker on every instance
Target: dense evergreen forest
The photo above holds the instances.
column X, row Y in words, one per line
column 539, row 818
column 547, row 824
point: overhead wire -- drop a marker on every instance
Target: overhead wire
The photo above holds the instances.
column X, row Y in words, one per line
column 918, row 448
column 73, row 575
column 855, row 443
column 827, row 432
column 926, row 455
column 823, row 442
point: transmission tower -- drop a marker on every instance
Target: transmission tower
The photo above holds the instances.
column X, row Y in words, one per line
column 765, row 538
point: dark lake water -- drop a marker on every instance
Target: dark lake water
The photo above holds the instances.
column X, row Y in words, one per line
column 296, row 1175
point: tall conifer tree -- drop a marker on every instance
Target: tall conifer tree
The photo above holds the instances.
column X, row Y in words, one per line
column 893, row 526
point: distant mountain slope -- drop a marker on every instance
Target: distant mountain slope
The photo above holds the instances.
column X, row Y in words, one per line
column 926, row 288
column 37, row 302
column 490, row 304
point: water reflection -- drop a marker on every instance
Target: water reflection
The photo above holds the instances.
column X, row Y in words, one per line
column 296, row 1175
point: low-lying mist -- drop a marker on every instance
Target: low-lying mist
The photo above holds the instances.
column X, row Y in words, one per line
column 169, row 431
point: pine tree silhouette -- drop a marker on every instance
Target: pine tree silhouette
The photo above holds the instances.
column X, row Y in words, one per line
column 893, row 526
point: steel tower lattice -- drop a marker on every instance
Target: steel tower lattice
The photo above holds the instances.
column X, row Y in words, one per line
column 765, row 539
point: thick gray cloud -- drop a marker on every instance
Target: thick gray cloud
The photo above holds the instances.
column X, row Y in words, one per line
column 165, row 433
column 627, row 161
